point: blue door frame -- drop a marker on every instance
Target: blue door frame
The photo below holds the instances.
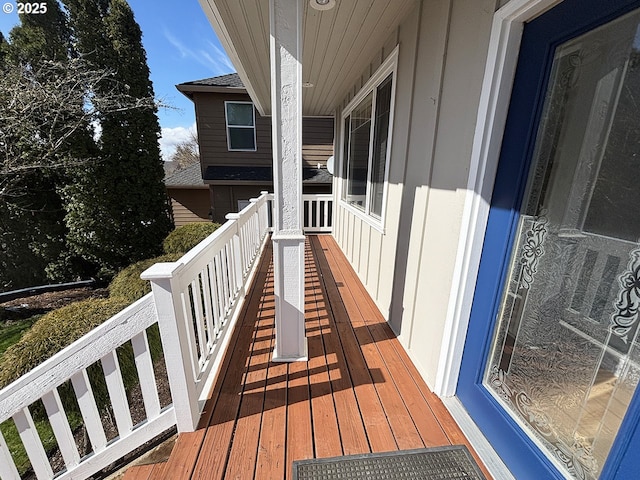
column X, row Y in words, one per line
column 541, row 36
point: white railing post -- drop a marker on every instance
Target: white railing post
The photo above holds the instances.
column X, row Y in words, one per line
column 176, row 343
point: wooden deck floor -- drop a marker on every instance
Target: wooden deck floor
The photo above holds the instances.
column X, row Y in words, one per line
column 358, row 393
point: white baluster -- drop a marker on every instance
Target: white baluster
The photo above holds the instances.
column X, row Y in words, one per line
column 144, row 365
column 61, row 429
column 89, row 410
column 33, row 444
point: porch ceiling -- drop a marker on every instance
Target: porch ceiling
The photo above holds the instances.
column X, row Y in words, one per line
column 337, row 47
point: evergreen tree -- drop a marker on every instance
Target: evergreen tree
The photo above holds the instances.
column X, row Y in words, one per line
column 31, row 210
column 4, row 47
column 42, row 37
column 118, row 208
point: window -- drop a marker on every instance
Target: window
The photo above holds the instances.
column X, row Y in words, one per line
column 366, row 139
column 241, row 126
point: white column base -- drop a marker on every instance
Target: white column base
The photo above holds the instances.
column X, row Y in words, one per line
column 288, row 265
column 284, row 359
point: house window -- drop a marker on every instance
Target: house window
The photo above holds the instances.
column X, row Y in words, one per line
column 366, row 138
column 241, row 126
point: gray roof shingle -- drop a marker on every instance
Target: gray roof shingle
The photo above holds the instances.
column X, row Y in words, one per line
column 187, row 177
column 230, row 80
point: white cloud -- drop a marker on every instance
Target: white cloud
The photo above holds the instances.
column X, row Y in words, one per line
column 171, row 137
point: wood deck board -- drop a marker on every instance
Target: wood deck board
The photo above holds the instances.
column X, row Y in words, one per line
column 358, row 392
column 435, row 424
column 158, row 471
column 348, row 417
column 141, row 472
column 401, row 422
column 211, row 463
column 244, row 449
column 326, row 435
column 377, row 340
column 376, row 423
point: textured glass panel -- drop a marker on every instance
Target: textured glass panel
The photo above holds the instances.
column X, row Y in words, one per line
column 242, row 138
column 383, row 112
column 564, row 360
column 359, row 137
column 240, row 114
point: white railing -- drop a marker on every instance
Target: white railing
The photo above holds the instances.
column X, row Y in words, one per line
column 317, row 212
column 198, row 299
column 71, row 364
column 195, row 302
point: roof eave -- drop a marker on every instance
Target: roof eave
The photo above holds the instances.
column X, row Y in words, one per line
column 188, row 90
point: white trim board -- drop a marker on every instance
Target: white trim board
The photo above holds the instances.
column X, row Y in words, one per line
column 502, row 58
column 480, row 444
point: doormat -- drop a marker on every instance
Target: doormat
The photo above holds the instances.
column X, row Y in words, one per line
column 439, row 463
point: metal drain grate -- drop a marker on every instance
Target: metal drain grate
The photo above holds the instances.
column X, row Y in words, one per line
column 440, row 463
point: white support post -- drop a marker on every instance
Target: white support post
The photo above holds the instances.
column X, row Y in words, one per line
column 175, row 342
column 288, row 238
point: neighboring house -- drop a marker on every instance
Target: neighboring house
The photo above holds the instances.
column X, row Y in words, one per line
column 235, row 145
column 189, row 195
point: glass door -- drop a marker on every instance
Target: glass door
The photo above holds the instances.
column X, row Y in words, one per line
column 558, row 362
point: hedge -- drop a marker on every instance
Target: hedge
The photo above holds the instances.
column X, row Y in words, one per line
column 184, row 238
column 127, row 285
column 54, row 331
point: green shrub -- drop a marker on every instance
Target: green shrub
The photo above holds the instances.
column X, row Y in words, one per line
column 54, row 331
column 184, row 238
column 127, row 285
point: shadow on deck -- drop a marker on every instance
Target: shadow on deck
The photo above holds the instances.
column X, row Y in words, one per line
column 358, row 393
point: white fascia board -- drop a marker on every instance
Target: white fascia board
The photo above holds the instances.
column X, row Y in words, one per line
column 215, row 19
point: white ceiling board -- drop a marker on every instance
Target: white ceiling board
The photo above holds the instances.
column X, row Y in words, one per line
column 339, row 44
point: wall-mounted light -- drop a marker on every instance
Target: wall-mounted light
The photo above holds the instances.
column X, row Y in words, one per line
column 322, row 4
column 307, row 85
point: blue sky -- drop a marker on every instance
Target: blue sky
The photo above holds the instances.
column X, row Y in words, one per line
column 181, row 46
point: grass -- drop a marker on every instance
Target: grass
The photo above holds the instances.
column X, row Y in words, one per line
column 10, row 332
column 19, row 454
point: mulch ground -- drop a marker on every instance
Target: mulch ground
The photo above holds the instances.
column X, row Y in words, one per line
column 37, row 304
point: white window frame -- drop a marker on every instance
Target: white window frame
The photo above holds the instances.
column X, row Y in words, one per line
column 227, row 126
column 388, row 67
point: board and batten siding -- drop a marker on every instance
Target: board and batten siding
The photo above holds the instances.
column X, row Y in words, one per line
column 408, row 269
column 372, row 250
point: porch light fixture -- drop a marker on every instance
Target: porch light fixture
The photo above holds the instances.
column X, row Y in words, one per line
column 322, row 4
